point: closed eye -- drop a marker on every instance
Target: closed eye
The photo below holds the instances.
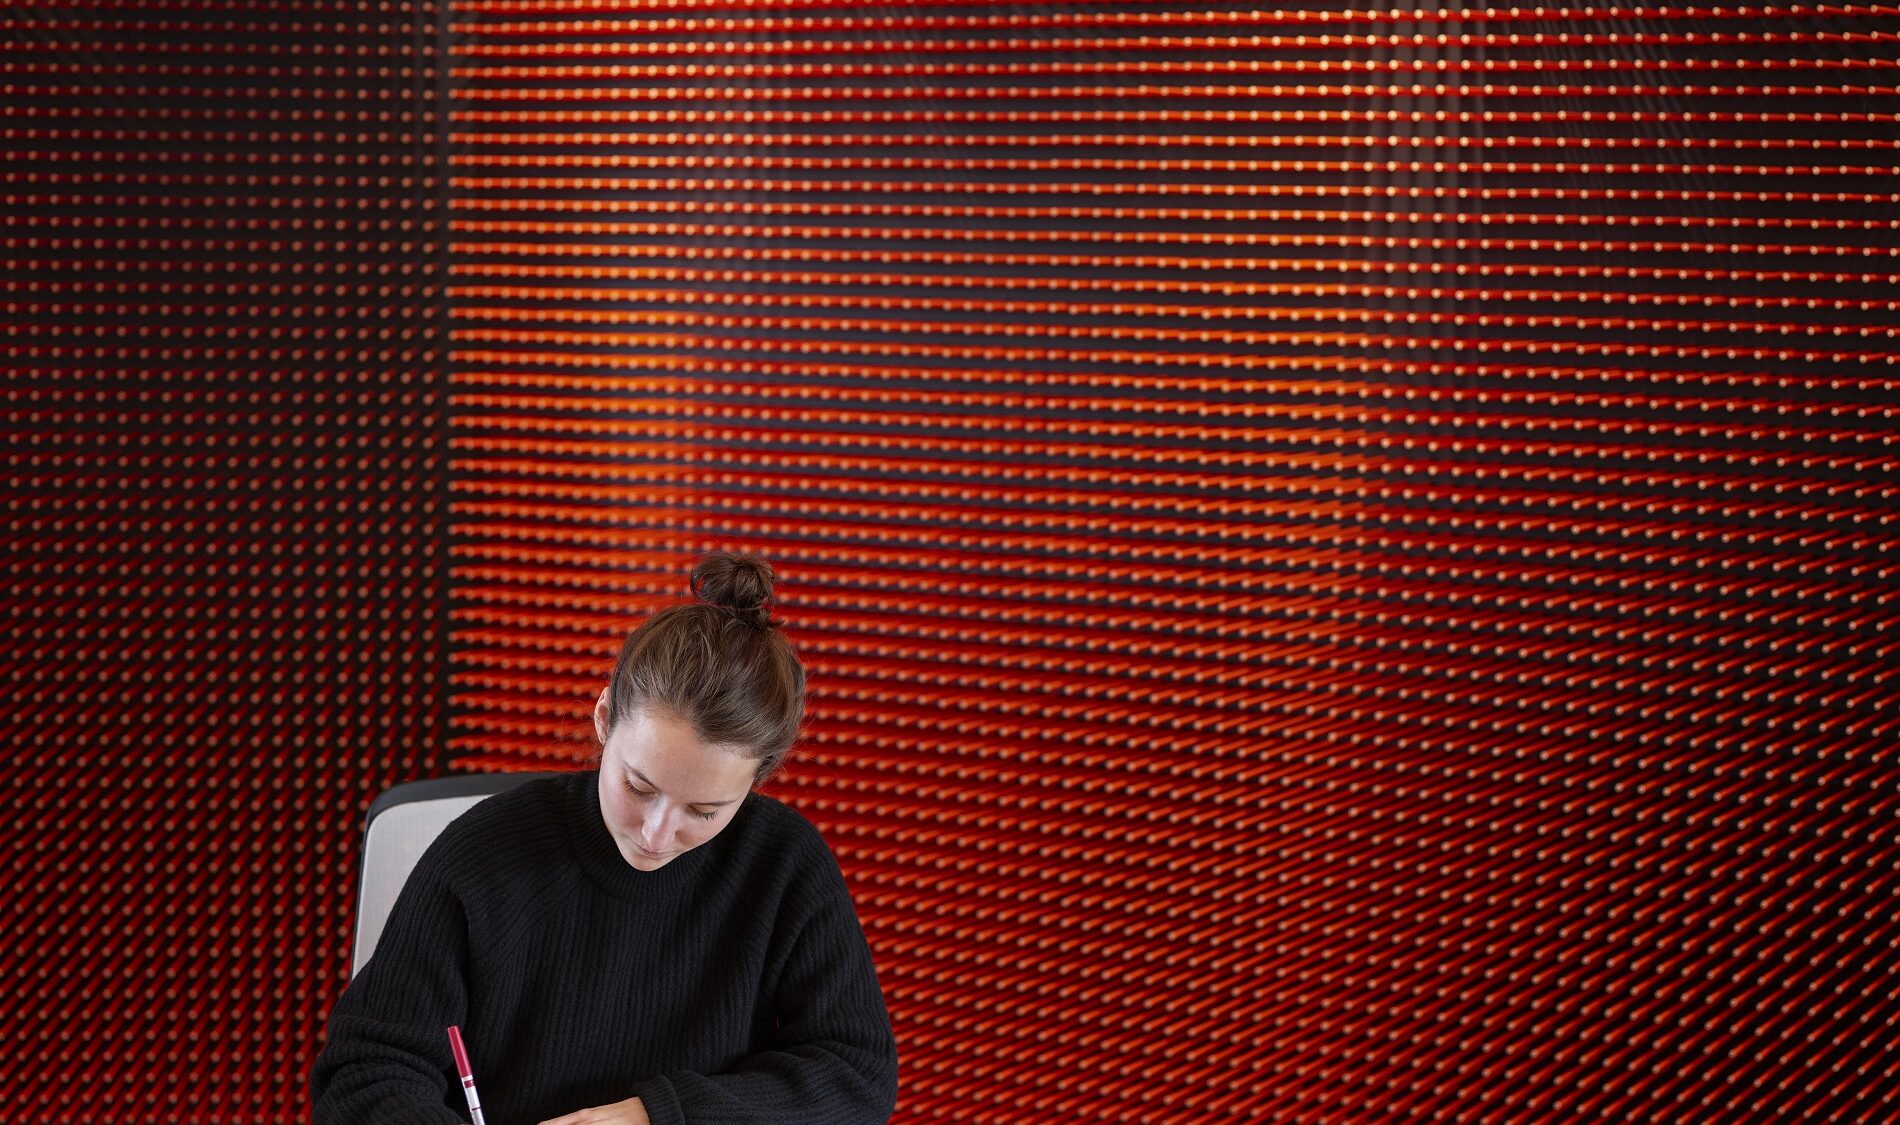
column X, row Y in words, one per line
column 645, row 794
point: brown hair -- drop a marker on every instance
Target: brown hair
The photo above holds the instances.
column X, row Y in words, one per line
column 720, row 663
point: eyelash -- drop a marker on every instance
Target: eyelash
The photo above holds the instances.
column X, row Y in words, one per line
column 644, row 794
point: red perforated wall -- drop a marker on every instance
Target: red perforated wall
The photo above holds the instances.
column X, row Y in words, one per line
column 222, row 445
column 1345, row 554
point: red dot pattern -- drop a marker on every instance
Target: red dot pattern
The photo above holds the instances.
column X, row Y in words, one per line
column 1344, row 554
column 222, row 385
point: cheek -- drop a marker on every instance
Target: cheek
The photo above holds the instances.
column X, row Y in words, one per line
column 699, row 831
column 622, row 810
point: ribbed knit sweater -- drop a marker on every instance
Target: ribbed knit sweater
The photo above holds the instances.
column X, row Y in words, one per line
column 731, row 985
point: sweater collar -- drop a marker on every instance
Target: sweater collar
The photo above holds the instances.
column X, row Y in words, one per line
column 600, row 857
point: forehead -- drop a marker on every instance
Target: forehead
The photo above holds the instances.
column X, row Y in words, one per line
column 676, row 761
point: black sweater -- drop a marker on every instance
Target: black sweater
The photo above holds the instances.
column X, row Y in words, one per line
column 731, row 985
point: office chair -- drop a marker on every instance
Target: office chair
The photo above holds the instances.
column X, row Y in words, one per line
column 402, row 823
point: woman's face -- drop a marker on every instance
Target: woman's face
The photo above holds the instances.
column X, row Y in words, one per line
column 663, row 792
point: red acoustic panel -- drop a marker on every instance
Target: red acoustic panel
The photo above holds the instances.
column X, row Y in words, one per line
column 1344, row 554
column 222, row 442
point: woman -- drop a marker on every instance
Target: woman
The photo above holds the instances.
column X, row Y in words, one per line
column 650, row 941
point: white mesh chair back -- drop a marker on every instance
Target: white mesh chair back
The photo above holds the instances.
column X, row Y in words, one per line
column 401, row 825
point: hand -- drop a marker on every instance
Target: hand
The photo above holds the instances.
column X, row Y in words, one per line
column 629, row 1112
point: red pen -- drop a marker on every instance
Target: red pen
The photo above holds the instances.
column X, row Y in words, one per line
column 468, row 1077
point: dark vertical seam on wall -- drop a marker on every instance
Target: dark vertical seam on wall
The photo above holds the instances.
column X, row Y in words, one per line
column 438, row 92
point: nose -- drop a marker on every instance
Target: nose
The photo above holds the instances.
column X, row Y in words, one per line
column 656, row 830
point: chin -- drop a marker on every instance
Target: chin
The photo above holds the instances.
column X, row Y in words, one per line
column 641, row 862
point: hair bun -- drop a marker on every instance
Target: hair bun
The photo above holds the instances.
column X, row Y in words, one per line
column 740, row 583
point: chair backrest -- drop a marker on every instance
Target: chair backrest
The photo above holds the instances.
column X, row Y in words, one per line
column 401, row 825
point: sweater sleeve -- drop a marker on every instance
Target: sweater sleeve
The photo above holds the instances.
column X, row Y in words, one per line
column 832, row 1057
column 385, row 1060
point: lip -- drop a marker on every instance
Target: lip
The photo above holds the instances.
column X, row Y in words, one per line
column 649, row 855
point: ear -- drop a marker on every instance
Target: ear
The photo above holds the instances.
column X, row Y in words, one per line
column 602, row 710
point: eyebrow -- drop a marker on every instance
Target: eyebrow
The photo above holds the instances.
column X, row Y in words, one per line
column 650, row 785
